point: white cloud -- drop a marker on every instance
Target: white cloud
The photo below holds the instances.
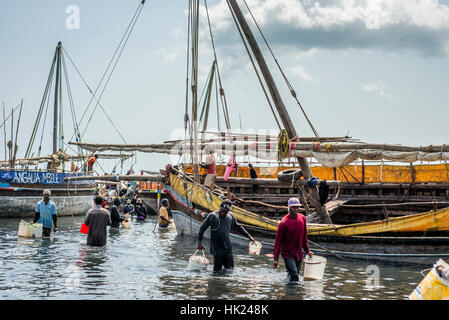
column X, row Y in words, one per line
column 420, row 25
column 299, row 71
column 378, row 88
column 169, row 55
column 306, row 54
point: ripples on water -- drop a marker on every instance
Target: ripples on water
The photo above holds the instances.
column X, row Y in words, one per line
column 141, row 264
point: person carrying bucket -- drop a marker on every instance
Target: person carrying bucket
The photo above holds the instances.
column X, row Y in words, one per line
column 221, row 222
column 97, row 219
column 291, row 239
column 45, row 213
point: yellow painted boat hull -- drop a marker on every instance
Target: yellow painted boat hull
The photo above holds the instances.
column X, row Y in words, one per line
column 427, row 221
column 204, row 198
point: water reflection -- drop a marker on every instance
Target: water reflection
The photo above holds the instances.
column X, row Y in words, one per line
column 147, row 262
column 313, row 290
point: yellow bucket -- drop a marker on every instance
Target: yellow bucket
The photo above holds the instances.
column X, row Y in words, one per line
column 433, row 287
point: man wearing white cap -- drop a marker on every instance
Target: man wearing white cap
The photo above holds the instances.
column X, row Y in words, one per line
column 45, row 213
column 291, row 239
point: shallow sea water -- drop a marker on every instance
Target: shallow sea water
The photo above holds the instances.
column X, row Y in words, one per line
column 145, row 262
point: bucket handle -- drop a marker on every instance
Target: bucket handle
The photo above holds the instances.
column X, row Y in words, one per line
column 201, row 251
column 425, row 271
column 318, row 262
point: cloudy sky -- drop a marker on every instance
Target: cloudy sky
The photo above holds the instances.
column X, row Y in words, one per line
column 377, row 69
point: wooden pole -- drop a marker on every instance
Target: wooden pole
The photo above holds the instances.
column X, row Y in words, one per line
column 4, row 127
column 194, row 147
column 209, row 90
column 56, row 105
column 10, row 145
column 133, row 177
column 17, row 134
column 288, row 124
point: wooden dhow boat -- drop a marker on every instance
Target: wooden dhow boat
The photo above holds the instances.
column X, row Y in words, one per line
column 392, row 220
column 393, row 245
column 22, row 181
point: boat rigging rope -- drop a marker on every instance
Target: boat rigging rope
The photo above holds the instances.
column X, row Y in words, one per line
column 254, row 66
column 43, row 127
column 39, row 114
column 6, row 119
column 93, row 96
column 186, row 113
column 292, row 91
column 70, row 204
column 72, row 107
column 129, row 28
column 222, row 93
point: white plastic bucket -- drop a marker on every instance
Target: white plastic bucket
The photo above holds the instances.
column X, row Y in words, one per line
column 254, row 247
column 197, row 262
column 314, row 267
column 433, row 286
column 28, row 230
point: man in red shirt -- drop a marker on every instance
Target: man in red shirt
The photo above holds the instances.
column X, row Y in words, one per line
column 291, row 239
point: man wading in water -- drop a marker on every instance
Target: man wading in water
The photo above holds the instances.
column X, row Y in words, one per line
column 291, row 238
column 45, row 213
column 221, row 223
column 97, row 219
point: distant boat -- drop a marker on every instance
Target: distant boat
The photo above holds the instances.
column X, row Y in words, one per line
column 21, row 188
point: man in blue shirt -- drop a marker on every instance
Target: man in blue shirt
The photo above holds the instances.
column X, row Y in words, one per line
column 46, row 214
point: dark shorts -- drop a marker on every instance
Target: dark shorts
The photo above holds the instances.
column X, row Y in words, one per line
column 46, row 232
column 223, row 260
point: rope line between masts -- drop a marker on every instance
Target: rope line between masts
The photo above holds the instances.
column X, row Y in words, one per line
column 292, row 91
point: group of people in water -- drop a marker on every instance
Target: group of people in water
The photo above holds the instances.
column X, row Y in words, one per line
column 109, row 210
column 120, row 204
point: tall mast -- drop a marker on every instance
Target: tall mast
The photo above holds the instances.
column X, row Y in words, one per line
column 195, row 27
column 57, row 92
column 277, row 100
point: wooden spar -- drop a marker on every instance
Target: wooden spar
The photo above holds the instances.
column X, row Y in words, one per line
column 69, row 158
column 107, row 182
column 4, row 127
column 56, row 106
column 194, row 146
column 288, row 125
column 271, row 137
column 209, row 90
column 17, row 133
column 370, row 146
column 132, row 177
column 10, row 145
column 268, row 181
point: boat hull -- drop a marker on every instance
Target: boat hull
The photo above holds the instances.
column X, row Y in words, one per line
column 428, row 221
column 24, row 206
column 413, row 249
column 387, row 249
column 20, row 191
